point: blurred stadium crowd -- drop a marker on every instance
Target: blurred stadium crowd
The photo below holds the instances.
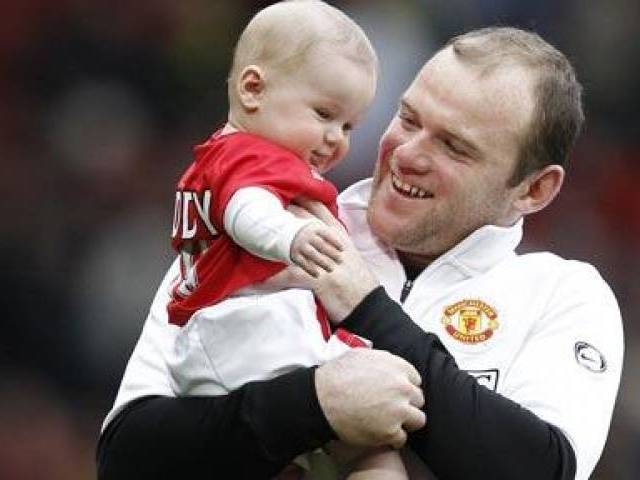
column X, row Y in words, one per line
column 100, row 103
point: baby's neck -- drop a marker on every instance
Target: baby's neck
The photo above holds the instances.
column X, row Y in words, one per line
column 228, row 128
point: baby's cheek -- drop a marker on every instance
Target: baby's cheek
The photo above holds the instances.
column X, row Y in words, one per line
column 341, row 154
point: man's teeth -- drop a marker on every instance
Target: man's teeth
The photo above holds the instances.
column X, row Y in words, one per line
column 410, row 190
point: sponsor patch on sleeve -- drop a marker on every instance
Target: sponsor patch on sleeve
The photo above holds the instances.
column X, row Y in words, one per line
column 486, row 378
column 589, row 357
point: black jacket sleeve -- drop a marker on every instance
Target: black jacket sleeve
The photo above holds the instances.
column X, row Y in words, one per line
column 471, row 431
column 251, row 433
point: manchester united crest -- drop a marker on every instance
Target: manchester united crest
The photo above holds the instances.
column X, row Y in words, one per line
column 470, row 321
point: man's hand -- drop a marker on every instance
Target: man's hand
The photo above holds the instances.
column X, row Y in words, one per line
column 316, row 247
column 370, row 397
column 346, row 285
column 307, row 208
column 291, row 277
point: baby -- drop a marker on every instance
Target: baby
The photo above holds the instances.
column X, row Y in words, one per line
column 302, row 77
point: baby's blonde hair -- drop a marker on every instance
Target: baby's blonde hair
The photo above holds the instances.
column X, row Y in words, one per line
column 282, row 35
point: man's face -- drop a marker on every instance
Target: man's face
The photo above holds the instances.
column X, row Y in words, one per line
column 446, row 157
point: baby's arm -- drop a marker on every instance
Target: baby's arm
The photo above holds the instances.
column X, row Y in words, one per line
column 256, row 220
column 381, row 463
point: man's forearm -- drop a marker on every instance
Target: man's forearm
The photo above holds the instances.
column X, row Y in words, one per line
column 251, row 433
column 284, row 416
column 471, row 431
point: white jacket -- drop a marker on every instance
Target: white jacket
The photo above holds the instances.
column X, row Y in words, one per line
column 543, row 331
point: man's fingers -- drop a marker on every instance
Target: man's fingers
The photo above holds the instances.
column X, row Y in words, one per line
column 319, row 210
column 291, row 277
column 398, row 439
column 416, row 397
column 416, row 419
column 299, row 211
column 411, row 372
column 342, row 383
column 413, row 375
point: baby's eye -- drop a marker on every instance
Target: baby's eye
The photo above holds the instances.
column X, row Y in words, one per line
column 323, row 113
column 347, row 127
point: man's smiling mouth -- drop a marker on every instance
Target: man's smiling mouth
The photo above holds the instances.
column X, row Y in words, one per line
column 407, row 189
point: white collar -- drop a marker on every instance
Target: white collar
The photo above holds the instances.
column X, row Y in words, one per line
column 477, row 253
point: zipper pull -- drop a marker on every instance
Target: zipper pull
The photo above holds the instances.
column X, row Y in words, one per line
column 406, row 288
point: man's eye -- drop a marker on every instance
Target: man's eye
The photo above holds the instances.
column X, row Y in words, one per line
column 451, row 146
column 407, row 120
column 323, row 113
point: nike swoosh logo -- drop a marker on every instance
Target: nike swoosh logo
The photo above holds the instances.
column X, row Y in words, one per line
column 586, row 357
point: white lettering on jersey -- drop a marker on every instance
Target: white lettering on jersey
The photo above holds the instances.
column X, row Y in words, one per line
column 176, row 214
column 189, row 279
column 183, row 223
column 203, row 210
column 187, row 232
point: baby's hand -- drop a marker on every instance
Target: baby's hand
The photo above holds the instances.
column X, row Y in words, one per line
column 316, row 246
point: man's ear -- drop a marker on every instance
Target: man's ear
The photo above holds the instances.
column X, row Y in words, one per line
column 539, row 189
column 250, row 87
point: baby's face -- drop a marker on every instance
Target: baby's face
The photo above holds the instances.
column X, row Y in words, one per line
column 312, row 109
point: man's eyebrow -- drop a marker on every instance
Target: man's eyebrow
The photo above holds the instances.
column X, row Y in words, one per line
column 467, row 144
column 448, row 131
column 405, row 104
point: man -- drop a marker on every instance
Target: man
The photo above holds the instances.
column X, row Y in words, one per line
column 519, row 356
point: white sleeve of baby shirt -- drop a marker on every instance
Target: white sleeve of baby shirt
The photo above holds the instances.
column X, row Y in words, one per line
column 257, row 221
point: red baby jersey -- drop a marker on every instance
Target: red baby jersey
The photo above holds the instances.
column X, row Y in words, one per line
column 212, row 265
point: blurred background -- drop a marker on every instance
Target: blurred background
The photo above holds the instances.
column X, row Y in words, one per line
column 100, row 104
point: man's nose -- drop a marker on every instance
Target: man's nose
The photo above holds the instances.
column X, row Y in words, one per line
column 414, row 155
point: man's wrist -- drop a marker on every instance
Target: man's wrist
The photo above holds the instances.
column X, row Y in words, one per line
column 382, row 320
column 365, row 309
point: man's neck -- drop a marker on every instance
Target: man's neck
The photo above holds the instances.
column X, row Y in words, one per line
column 414, row 264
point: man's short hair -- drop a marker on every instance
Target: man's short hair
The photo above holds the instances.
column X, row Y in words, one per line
column 557, row 117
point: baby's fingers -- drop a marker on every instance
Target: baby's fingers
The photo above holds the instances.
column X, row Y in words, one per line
column 301, row 258
column 328, row 249
column 314, row 253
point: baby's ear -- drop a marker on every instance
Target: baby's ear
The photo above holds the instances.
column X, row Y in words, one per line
column 250, row 87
